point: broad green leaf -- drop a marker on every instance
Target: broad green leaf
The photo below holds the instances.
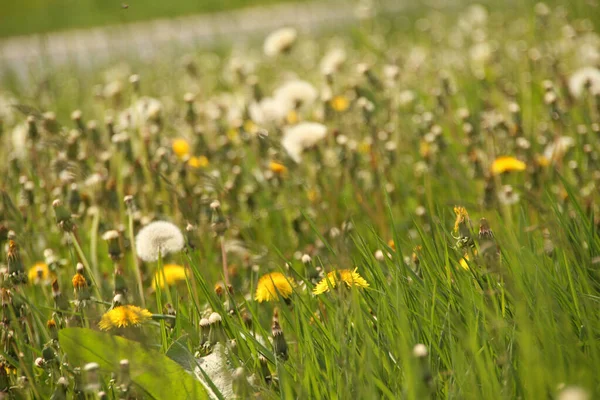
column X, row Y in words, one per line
column 155, row 373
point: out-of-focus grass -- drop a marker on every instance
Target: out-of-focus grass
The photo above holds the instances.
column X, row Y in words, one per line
column 40, row 16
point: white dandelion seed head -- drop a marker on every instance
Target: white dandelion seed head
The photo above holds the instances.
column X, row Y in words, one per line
column 508, row 196
column 214, row 318
column 583, row 77
column 332, row 61
column 557, row 149
column 301, row 136
column 296, row 93
column 267, row 111
column 420, row 350
column 158, row 236
column 573, row 393
column 112, row 89
column 379, row 256
column 110, row 235
column 19, row 140
column 306, row 258
column 204, row 322
column 279, row 41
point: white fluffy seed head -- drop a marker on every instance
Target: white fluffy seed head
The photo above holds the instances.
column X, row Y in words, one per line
column 158, row 236
column 295, row 93
column 582, row 78
column 306, row 259
column 204, row 322
column 214, row 318
column 110, row 235
column 279, row 41
column 301, row 136
column 420, row 351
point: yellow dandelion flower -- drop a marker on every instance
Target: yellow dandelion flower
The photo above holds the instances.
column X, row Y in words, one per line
column 349, row 277
column 462, row 216
column 79, row 281
column 424, row 149
column 292, row 117
column 171, row 273
column 277, row 168
column 39, row 273
column 233, row 134
column 464, row 261
column 364, row 147
column 123, row 317
column 181, row 147
column 270, row 285
column 250, row 126
column 339, row 103
column 507, row 164
column 392, row 244
column 198, row 162
column 312, row 195
column 542, row 161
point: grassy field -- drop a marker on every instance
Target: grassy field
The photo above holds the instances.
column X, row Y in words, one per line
column 41, row 16
column 407, row 209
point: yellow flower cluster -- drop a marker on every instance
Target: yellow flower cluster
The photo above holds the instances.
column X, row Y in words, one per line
column 123, row 317
column 333, row 278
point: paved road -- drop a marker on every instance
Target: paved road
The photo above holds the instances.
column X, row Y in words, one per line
column 147, row 39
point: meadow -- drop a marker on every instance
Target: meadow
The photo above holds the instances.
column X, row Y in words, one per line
column 405, row 209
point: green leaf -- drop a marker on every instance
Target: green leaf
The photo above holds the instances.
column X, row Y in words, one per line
column 155, row 373
column 178, row 352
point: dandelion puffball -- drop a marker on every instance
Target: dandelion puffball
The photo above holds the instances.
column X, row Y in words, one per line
column 280, row 41
column 579, row 81
column 158, row 236
column 301, row 136
column 296, row 93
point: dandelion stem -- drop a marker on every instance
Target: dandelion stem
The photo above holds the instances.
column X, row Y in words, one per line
column 136, row 264
column 94, row 241
column 86, row 264
column 224, row 259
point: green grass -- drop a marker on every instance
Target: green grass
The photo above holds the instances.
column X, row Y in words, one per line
column 41, row 16
column 524, row 324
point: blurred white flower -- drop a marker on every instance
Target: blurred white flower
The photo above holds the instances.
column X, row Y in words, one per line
column 158, row 236
column 296, row 93
column 508, row 196
column 299, row 137
column 146, row 109
column 268, row 110
column 582, row 78
column 573, row 393
column 280, row 41
column 557, row 149
column 19, row 140
column 112, row 90
column 333, row 61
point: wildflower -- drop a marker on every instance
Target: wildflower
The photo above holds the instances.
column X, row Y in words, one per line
column 180, row 147
column 280, row 347
column 159, row 237
column 464, row 261
column 333, row 61
column 271, row 285
column 39, row 273
column 114, row 244
column 279, row 41
column 295, row 94
column 123, row 317
column 198, row 162
column 79, row 281
column 339, row 103
column 587, row 78
column 171, row 274
column 508, row 196
column 299, row 137
column 268, row 110
column 277, row 168
column 15, row 264
column 462, row 218
column 507, row 164
column 349, row 277
column 420, row 351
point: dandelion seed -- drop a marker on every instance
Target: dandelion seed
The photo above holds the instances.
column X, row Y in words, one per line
column 123, row 317
column 272, row 285
column 302, row 136
column 280, row 41
column 171, row 274
column 507, row 164
column 158, row 237
column 333, row 278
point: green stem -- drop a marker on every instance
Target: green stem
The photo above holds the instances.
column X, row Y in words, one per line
column 136, row 265
column 86, row 264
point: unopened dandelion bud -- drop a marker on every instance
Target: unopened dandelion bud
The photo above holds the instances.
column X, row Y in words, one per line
column 39, row 362
column 241, row 387
column 63, row 216
column 110, row 126
column 420, row 351
column 204, row 330
column 92, row 379
column 74, row 198
column 112, row 238
column 124, row 373
column 135, row 82
column 32, row 130
column 218, row 220
column 48, row 353
column 280, row 347
column 102, row 395
column 60, row 301
column 216, row 333
column 264, row 369
column 16, row 271
column 306, row 259
column 49, row 122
